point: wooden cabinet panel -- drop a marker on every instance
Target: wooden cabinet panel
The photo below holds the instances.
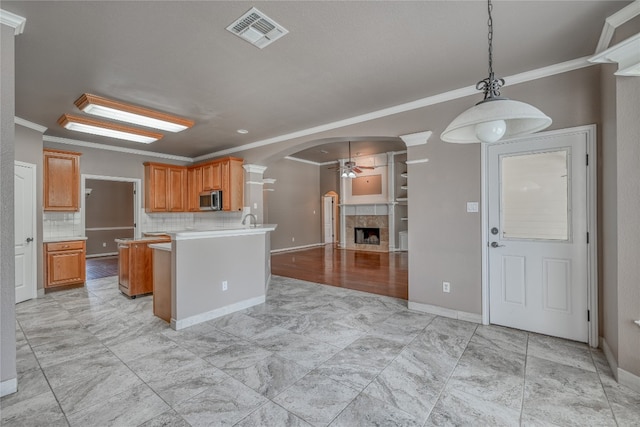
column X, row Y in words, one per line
column 177, row 189
column 232, row 184
column 61, row 180
column 211, row 176
column 165, row 188
column 194, row 187
column 135, row 267
column 64, row 263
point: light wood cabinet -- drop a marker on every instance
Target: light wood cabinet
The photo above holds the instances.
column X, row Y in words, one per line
column 165, row 188
column 232, row 175
column 135, row 266
column 64, row 263
column 171, row 188
column 211, row 176
column 61, row 176
column 194, row 186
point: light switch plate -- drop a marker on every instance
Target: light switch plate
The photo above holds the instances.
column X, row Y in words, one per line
column 472, row 206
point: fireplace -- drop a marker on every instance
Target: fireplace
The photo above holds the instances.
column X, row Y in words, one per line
column 366, row 236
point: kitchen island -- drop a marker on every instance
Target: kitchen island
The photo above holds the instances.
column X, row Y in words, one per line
column 214, row 272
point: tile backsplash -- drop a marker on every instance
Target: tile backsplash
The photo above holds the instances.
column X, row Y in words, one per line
column 61, row 224
column 66, row 224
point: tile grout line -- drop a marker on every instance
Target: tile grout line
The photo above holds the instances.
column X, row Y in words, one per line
column 524, row 378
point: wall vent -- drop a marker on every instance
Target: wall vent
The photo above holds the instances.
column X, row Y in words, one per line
column 257, row 28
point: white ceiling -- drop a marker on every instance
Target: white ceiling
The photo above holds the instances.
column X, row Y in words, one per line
column 339, row 60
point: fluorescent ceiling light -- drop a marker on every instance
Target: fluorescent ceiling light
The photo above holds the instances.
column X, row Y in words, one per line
column 111, row 130
column 103, row 107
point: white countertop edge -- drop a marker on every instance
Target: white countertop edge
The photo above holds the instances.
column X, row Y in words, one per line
column 63, row 239
column 161, row 246
column 203, row 234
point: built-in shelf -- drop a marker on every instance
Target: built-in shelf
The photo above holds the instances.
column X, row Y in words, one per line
column 404, row 219
column 402, row 199
column 404, row 174
column 404, row 187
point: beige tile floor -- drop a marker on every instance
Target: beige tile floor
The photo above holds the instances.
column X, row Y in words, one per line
column 311, row 355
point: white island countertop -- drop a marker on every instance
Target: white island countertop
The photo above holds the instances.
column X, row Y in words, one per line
column 220, row 232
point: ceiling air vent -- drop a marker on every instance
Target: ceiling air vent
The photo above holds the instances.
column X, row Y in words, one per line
column 257, row 28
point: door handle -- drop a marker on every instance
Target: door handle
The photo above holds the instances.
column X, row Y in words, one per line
column 496, row 245
column 29, row 239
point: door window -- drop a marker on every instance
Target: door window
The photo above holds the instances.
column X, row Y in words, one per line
column 535, row 201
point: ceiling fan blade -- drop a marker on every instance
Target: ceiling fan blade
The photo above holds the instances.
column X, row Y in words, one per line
column 357, row 169
column 366, row 167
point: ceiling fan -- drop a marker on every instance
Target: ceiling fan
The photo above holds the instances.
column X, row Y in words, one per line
column 350, row 168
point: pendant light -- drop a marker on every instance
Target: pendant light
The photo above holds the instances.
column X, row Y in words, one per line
column 494, row 117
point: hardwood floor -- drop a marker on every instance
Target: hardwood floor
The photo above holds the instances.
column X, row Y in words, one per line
column 98, row 268
column 374, row 272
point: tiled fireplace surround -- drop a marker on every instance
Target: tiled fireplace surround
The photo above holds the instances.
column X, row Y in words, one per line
column 367, row 221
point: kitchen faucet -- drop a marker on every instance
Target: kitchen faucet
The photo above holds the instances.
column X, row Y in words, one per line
column 250, row 215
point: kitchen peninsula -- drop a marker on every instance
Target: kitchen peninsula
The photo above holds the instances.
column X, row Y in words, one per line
column 212, row 272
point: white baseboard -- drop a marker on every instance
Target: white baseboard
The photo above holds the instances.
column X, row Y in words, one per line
column 296, row 248
column 8, row 386
column 611, row 359
column 445, row 312
column 219, row 312
column 102, row 255
column 628, row 379
column 623, row 377
column 40, row 293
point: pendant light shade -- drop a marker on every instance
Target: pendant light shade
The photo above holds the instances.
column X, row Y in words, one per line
column 493, row 120
column 495, row 117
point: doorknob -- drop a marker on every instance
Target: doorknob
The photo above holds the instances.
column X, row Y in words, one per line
column 29, row 239
column 496, row 245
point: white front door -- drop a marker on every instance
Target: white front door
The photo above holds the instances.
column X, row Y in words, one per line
column 25, row 203
column 327, row 215
column 537, row 218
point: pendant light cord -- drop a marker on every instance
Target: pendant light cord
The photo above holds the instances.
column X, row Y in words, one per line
column 490, row 86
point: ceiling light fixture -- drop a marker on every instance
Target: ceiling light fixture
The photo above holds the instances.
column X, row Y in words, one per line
column 112, row 130
column 116, row 110
column 494, row 117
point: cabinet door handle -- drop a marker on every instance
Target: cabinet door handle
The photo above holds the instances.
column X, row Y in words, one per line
column 65, row 246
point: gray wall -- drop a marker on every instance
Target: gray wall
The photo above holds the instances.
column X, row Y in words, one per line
column 7, row 254
column 628, row 161
column 29, row 150
column 608, row 214
column 329, row 180
column 109, row 205
column 294, row 205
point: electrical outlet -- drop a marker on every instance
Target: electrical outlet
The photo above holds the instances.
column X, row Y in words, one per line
column 225, row 285
column 446, row 287
column 104, row 244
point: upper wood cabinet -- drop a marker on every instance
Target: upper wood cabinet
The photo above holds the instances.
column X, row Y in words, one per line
column 171, row 188
column 194, row 186
column 61, row 180
column 211, row 176
column 232, row 184
column 165, row 188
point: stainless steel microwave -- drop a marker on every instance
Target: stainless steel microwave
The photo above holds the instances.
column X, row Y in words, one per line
column 211, row 200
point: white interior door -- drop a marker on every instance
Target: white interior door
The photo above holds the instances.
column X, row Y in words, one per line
column 328, row 220
column 25, row 202
column 538, row 258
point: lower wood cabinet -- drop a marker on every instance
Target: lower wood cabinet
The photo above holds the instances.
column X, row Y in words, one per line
column 64, row 263
column 135, row 267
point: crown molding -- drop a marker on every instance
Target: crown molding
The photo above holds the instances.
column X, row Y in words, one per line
column 12, row 20
column 622, row 16
column 87, row 144
column 309, row 162
column 626, row 54
column 418, row 138
column 451, row 95
column 255, row 168
column 30, row 125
